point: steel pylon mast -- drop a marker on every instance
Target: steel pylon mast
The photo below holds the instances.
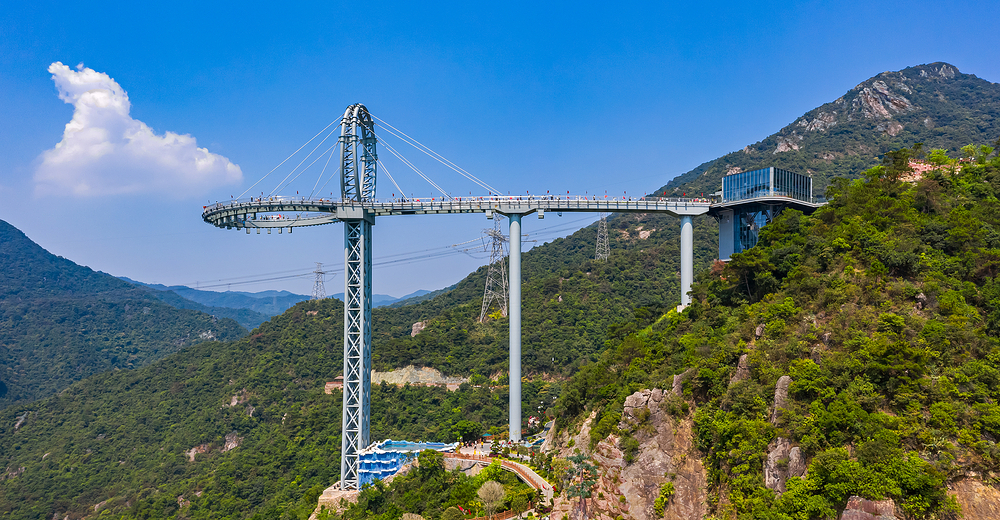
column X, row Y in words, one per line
column 319, row 289
column 603, row 249
column 357, row 184
column 496, row 277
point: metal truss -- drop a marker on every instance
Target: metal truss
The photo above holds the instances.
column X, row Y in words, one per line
column 358, row 157
column 603, row 248
column 496, row 277
column 357, row 348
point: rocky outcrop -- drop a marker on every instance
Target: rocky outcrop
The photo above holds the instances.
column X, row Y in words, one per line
column 820, row 123
column 876, row 101
column 417, row 376
column 977, row 500
column 742, row 371
column 678, row 385
column 782, row 463
column 787, row 144
column 780, row 397
column 417, row 328
column 862, row 509
column 666, row 454
column 232, row 442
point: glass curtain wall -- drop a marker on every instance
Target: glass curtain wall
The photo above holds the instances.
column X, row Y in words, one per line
column 766, row 182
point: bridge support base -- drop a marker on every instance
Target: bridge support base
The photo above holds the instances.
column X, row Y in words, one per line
column 357, row 348
column 514, row 313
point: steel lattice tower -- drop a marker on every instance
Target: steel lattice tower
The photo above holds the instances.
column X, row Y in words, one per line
column 603, row 249
column 357, row 184
column 496, row 277
column 319, row 290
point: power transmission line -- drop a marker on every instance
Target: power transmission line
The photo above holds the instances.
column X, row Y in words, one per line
column 496, row 276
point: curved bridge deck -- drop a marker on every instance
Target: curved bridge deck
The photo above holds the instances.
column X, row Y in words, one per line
column 282, row 212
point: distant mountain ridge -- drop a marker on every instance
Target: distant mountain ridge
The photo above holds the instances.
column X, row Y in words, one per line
column 61, row 322
column 934, row 104
column 268, row 303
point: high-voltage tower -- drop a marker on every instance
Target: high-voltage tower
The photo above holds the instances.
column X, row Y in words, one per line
column 603, row 249
column 496, row 276
column 319, row 289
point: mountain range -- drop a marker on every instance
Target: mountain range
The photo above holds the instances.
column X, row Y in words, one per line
column 61, row 322
column 901, row 392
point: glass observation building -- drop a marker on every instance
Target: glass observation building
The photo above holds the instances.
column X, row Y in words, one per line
column 750, row 200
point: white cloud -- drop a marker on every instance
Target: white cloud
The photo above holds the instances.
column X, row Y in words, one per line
column 105, row 152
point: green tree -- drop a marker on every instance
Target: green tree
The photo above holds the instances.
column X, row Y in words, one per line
column 467, row 430
column 491, row 493
column 583, row 478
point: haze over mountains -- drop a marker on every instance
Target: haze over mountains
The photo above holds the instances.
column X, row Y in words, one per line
column 242, row 428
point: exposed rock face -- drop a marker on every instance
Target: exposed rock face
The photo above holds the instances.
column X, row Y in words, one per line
column 783, row 462
column 978, row 501
column 878, row 102
column 786, row 144
column 417, row 376
column 666, row 454
column 861, row 509
column 780, row 397
column 796, row 463
column 417, row 328
column 820, row 123
column 232, row 442
column 776, row 465
column 678, row 384
column 742, row 371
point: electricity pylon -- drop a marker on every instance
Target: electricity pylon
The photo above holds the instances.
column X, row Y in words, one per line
column 496, row 277
column 603, row 249
column 319, row 290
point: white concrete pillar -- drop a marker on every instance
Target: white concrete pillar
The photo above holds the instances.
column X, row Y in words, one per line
column 687, row 258
column 514, row 313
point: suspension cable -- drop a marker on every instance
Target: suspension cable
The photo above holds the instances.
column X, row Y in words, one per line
column 414, row 168
column 436, row 156
column 304, row 159
column 287, row 158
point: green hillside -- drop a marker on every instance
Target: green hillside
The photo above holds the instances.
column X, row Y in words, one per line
column 61, row 322
column 884, row 309
column 934, row 104
column 123, row 439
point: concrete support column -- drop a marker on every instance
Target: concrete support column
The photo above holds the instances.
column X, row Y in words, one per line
column 514, row 313
column 687, row 259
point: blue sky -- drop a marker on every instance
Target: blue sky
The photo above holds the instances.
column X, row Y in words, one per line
column 528, row 96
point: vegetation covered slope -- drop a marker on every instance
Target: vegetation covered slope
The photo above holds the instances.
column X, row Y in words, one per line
column 61, row 322
column 569, row 300
column 934, row 104
column 252, row 414
column 884, row 309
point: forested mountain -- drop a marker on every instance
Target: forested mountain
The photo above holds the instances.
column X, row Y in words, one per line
column 864, row 337
column 934, row 104
column 61, row 322
column 219, row 430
